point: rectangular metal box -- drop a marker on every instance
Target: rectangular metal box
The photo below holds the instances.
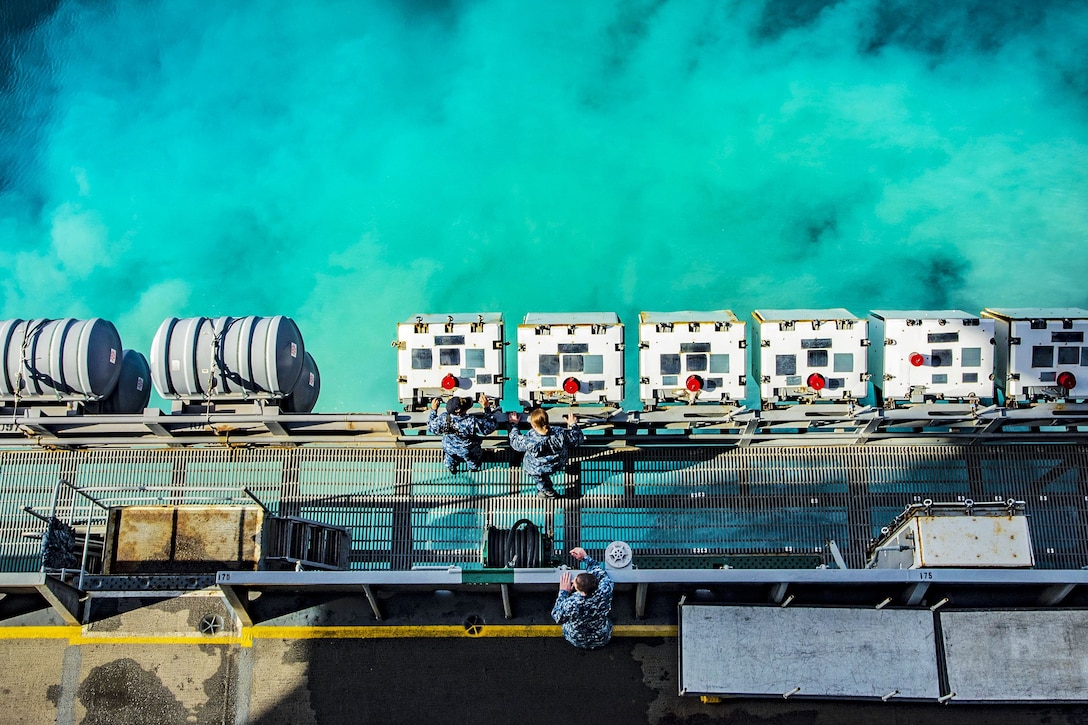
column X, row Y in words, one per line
column 570, row 358
column 953, row 535
column 807, row 652
column 918, row 355
column 1041, row 352
column 442, row 355
column 1016, row 656
column 199, row 539
column 181, row 539
column 809, row 355
column 692, row 357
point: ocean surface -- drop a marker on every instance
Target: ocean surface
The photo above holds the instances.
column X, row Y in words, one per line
column 350, row 164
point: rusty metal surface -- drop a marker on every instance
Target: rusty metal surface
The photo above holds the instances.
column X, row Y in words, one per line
column 154, row 539
column 969, row 541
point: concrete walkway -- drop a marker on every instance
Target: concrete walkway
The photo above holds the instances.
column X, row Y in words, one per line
column 148, row 663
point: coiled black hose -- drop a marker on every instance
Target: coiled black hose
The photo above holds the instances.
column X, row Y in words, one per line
column 522, row 545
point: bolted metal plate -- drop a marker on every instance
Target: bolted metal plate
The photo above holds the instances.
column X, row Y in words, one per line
column 1007, row 656
column 172, row 539
column 807, row 652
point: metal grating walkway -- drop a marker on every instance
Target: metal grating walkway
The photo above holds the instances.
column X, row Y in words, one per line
column 404, row 509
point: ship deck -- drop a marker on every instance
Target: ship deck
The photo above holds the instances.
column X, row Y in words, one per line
column 470, row 647
column 703, row 505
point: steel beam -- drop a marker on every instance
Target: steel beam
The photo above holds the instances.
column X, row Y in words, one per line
column 1053, row 595
column 507, row 608
column 62, row 598
column 913, row 594
column 373, row 601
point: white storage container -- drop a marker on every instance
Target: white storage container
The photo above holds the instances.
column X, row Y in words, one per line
column 133, row 389
column 810, row 355
column 569, row 358
column 303, row 396
column 1041, row 352
column 692, row 357
column 957, row 536
column 931, row 354
column 226, row 357
column 59, row 360
column 444, row 355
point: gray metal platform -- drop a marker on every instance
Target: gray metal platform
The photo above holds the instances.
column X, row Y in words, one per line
column 999, row 655
column 807, row 652
column 688, row 501
column 259, row 423
column 1021, row 656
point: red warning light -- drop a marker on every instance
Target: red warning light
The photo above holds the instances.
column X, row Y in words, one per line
column 817, row 381
column 571, row 386
column 449, row 382
column 694, row 383
column 1067, row 380
column 917, row 359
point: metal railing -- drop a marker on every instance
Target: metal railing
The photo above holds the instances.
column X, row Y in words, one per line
column 402, row 508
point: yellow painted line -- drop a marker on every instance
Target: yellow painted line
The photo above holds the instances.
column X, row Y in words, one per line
column 444, row 631
column 645, row 630
column 78, row 636
column 60, row 632
column 379, row 631
column 130, row 639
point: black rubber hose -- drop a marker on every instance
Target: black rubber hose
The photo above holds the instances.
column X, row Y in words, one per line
column 515, row 553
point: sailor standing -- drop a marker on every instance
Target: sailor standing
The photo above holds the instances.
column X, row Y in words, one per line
column 462, row 434
column 584, row 603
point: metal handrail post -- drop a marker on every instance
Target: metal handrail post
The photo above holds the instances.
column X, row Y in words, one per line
column 86, row 543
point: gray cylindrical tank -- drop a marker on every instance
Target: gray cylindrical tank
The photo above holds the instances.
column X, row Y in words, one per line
column 226, row 357
column 133, row 389
column 304, row 394
column 65, row 359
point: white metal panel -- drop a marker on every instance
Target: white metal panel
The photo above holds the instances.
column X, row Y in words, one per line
column 695, row 357
column 1041, row 352
column 959, row 542
column 811, row 354
column 973, row 541
column 570, row 358
column 807, row 652
column 898, row 550
column 442, row 355
column 1016, row 656
column 947, row 354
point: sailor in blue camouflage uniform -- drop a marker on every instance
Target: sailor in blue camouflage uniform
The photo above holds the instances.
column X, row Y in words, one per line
column 462, row 434
column 546, row 448
column 584, row 603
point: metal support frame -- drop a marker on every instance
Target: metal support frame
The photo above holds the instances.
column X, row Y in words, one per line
column 806, row 424
column 641, row 590
column 507, row 608
column 1052, row 596
column 836, row 554
column 373, row 601
column 236, row 586
column 778, row 586
column 42, row 591
column 235, row 600
column 914, row 593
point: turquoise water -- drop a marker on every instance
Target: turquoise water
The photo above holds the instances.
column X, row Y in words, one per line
column 350, row 164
